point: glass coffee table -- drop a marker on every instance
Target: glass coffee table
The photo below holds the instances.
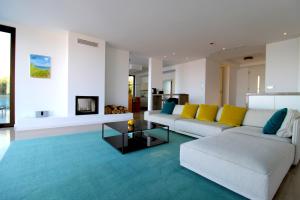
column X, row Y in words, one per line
column 131, row 138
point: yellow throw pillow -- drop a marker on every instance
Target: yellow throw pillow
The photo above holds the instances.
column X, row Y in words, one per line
column 189, row 111
column 207, row 112
column 232, row 115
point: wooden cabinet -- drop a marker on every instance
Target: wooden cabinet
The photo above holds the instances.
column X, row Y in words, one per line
column 182, row 98
column 156, row 102
column 158, row 99
column 134, row 104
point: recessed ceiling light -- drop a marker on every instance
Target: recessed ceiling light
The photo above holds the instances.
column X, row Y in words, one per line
column 173, row 53
column 285, row 33
column 211, row 43
column 223, row 48
column 165, row 56
column 248, row 58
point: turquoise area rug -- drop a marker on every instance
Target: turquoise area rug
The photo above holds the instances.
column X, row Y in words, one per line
column 83, row 166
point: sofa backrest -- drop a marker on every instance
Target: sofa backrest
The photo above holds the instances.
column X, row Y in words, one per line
column 257, row 117
column 177, row 110
column 253, row 117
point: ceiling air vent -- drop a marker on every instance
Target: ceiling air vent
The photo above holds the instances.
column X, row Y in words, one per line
column 86, row 42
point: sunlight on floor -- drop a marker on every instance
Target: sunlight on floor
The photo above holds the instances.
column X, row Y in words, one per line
column 4, row 142
column 4, row 116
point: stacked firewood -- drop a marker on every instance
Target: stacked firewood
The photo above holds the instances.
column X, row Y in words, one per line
column 113, row 109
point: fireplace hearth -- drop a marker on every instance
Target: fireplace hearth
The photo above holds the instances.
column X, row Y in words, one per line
column 86, row 105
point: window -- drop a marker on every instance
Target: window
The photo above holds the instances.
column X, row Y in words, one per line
column 7, row 62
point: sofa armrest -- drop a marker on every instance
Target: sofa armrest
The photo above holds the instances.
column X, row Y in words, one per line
column 296, row 139
column 147, row 113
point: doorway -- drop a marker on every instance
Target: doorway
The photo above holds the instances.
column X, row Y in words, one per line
column 249, row 80
column 131, row 85
column 7, row 74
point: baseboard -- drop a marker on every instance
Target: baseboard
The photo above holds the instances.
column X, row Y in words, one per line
column 56, row 122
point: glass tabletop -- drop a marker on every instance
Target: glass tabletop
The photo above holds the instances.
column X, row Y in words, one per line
column 139, row 125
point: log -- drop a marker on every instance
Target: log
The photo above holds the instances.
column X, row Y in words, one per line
column 113, row 109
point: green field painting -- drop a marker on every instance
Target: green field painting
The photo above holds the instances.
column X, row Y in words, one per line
column 40, row 66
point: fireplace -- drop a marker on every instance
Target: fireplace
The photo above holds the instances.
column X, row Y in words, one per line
column 86, row 105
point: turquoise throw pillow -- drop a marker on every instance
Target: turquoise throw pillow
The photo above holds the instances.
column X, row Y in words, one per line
column 274, row 123
column 168, row 108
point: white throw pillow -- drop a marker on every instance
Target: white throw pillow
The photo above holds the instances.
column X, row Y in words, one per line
column 218, row 117
column 178, row 110
column 286, row 129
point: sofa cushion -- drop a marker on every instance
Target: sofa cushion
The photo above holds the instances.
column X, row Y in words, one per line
column 207, row 112
column 219, row 114
column 164, row 119
column 178, row 109
column 257, row 118
column 168, row 107
column 286, row 129
column 256, row 131
column 232, row 115
column 201, row 128
column 189, row 111
column 274, row 123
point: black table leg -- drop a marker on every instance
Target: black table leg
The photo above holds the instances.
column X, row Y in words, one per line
column 168, row 134
column 122, row 143
column 102, row 130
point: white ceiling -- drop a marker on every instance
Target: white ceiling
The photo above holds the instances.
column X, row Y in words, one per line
column 236, row 55
column 159, row 27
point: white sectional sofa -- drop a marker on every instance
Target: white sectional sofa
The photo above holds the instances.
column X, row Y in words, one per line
column 243, row 159
column 191, row 127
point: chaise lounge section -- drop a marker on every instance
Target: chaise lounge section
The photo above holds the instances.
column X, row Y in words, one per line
column 251, row 166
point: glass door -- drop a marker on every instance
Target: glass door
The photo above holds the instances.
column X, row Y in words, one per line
column 7, row 62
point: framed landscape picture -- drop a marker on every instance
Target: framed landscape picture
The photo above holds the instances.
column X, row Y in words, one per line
column 40, row 66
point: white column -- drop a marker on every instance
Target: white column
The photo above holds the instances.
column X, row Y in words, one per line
column 155, row 78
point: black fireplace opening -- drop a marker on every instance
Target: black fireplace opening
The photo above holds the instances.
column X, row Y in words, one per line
column 86, row 105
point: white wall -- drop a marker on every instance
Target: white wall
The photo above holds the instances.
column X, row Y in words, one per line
column 33, row 94
column 242, row 85
column 155, row 78
column 212, row 83
column 116, row 76
column 226, row 83
column 155, row 73
column 76, row 70
column 86, row 70
column 299, row 65
column 233, row 83
column 169, row 75
column 283, row 66
column 190, row 79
